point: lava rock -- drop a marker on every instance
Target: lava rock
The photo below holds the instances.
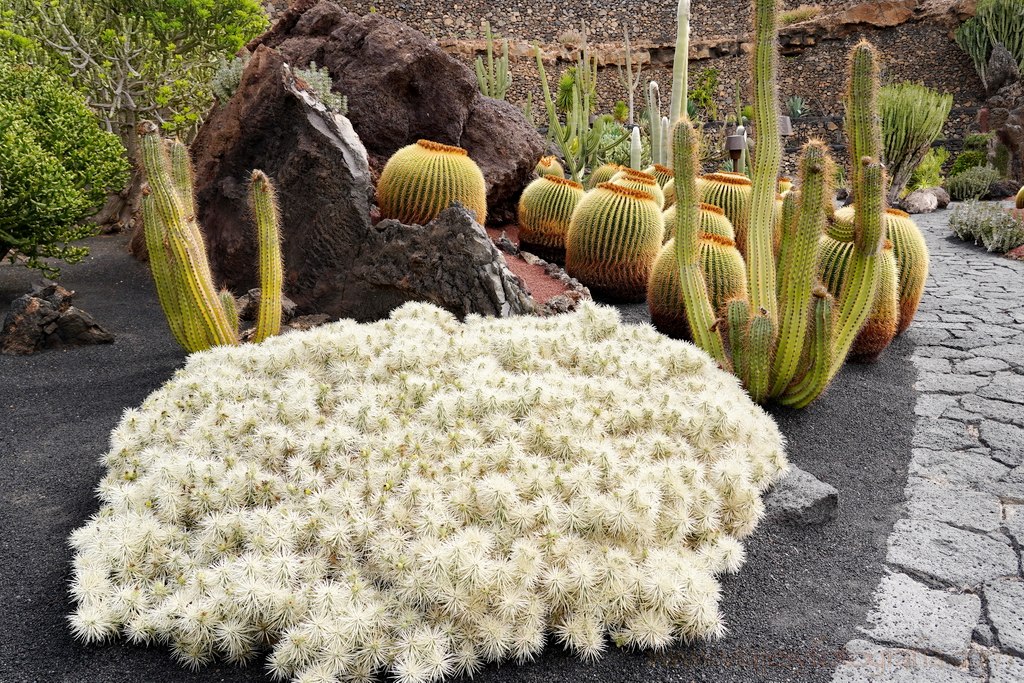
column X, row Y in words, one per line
column 1001, row 189
column 802, row 499
column 920, row 201
column 337, row 262
column 45, row 319
column 1002, row 69
column 941, row 196
column 402, row 87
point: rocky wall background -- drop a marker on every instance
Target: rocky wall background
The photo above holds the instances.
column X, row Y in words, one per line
column 914, row 36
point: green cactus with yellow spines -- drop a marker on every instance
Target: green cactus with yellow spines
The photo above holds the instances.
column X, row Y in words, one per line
column 789, row 336
column 731, row 192
column 549, row 165
column 663, row 173
column 670, row 193
column 1019, row 200
column 545, row 208
column 614, row 236
column 785, row 184
column 712, row 222
column 602, row 174
column 199, row 316
column 421, row 180
column 840, row 226
column 638, row 180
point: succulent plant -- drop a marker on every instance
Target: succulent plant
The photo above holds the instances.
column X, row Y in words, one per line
column 493, row 78
column 199, row 316
column 638, row 180
column 785, row 185
column 602, row 174
column 731, row 192
column 421, row 180
column 1019, row 202
column 545, row 208
column 662, row 173
column 418, row 497
column 549, row 165
column 614, row 237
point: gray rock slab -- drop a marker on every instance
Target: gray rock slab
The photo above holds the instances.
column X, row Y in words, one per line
column 963, row 508
column 1013, row 522
column 952, row 556
column 911, row 615
column 1005, row 669
column 1011, row 353
column 954, row 468
column 1005, row 386
column 1004, row 601
column 802, row 499
column 1006, row 441
column 934, row 405
column 940, row 434
column 870, row 663
column 950, row 384
column 1000, row 411
column 981, row 365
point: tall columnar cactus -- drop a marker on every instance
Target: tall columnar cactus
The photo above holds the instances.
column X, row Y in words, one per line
column 635, row 149
column 199, row 316
column 680, row 62
column 493, row 78
column 654, row 122
column 421, row 180
column 544, row 212
column 549, row 165
column 613, row 239
column 787, row 337
column 638, row 180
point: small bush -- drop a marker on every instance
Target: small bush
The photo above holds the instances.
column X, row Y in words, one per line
column 929, row 172
column 973, row 183
column 966, row 160
column 801, row 13
column 977, row 142
column 319, row 81
column 989, row 224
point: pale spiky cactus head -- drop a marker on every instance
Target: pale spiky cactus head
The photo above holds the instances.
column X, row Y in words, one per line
column 421, row 180
column 664, row 174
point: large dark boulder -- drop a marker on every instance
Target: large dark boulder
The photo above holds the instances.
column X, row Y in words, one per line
column 402, row 87
column 336, row 261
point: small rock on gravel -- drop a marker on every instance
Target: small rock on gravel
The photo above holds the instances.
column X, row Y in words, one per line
column 802, row 499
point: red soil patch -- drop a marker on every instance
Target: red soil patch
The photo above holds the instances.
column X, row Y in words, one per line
column 540, row 285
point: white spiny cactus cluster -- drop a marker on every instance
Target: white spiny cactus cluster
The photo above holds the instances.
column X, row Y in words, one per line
column 425, row 496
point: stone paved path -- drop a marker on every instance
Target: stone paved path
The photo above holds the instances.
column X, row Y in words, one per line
column 951, row 608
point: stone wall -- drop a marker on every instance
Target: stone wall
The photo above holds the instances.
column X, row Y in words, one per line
column 914, row 36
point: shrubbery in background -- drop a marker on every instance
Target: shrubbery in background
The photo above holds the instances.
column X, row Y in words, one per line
column 929, row 172
column 988, row 224
column 912, row 119
column 973, row 183
column 56, row 165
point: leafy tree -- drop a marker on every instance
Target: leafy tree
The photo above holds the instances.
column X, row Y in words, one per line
column 56, row 165
column 138, row 60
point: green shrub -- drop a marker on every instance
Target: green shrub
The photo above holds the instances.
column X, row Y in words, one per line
column 989, row 224
column 977, row 142
column 703, row 89
column 319, row 81
column 967, row 160
column 56, row 166
column 620, row 112
column 912, row 119
column 929, row 172
column 973, row 183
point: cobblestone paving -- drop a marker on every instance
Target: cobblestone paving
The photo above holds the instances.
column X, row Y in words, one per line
column 951, row 608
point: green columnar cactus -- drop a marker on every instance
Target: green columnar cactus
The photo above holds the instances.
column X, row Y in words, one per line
column 664, row 174
column 638, row 180
column 545, row 208
column 421, row 180
column 613, row 239
column 263, row 201
column 549, row 165
column 493, row 78
column 635, row 149
column 199, row 316
column 602, row 174
column 654, row 122
column 732, row 193
column 680, row 61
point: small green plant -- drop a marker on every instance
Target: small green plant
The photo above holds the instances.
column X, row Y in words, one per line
column 977, row 142
column 929, row 172
column 493, row 77
column 318, row 79
column 228, row 77
column 620, row 112
column 974, row 183
column 967, row 160
column 989, row 224
column 795, row 105
column 56, row 166
column 702, row 94
column 799, row 14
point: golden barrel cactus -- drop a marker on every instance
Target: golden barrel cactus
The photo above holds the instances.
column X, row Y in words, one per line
column 613, row 239
column 422, row 180
column 731, row 192
column 549, row 165
column 639, row 180
column 664, row 174
column 602, row 174
column 544, row 212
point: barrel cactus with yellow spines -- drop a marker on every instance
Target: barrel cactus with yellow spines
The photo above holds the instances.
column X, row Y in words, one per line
column 731, row 192
column 670, row 193
column 614, row 237
column 1019, row 203
column 602, row 174
column 421, row 180
column 549, row 165
column 720, row 262
column 545, row 208
column 664, row 174
column 785, row 184
column 638, row 180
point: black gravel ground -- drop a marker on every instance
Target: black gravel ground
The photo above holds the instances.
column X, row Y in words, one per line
column 800, row 597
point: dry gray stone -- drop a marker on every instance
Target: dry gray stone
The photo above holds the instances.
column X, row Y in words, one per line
column 1006, row 441
column 934, row 405
column 1010, row 353
column 1004, row 599
column 870, row 663
column 911, row 615
column 950, row 384
column 1014, row 522
column 968, row 509
column 953, row 556
column 956, row 469
column 1005, row 387
column 1002, row 411
column 1005, row 669
column 802, row 499
column 981, row 365
column 944, row 434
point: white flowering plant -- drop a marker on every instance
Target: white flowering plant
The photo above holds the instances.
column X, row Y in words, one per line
column 422, row 496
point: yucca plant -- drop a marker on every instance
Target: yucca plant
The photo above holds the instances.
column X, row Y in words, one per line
column 788, row 338
column 198, row 315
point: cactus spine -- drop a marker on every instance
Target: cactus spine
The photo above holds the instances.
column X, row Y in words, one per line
column 421, row 180
column 199, row 316
column 613, row 239
column 545, row 208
